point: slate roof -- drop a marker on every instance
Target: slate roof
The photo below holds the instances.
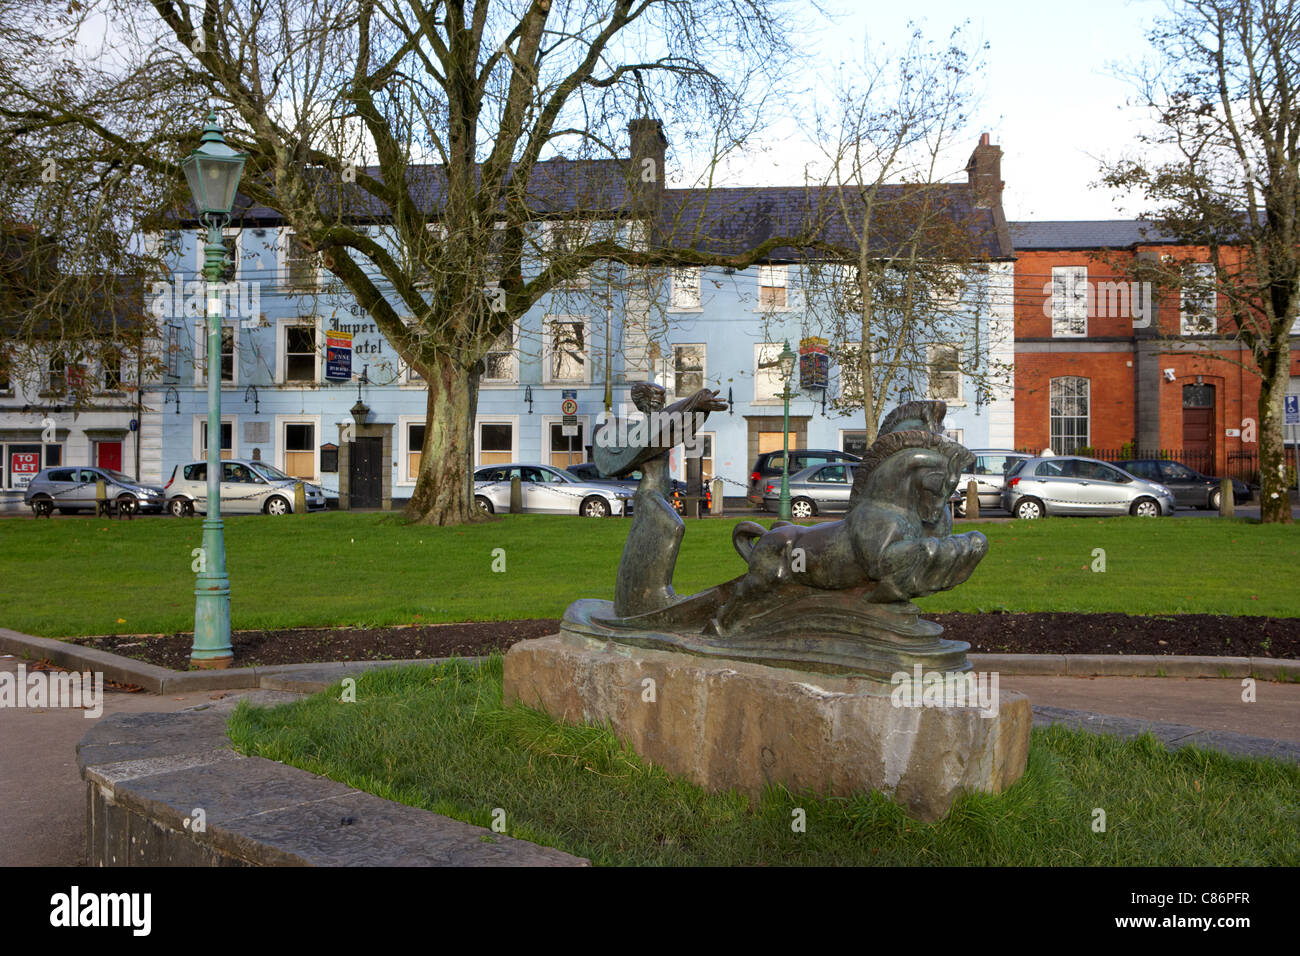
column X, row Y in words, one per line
column 556, row 186
column 726, row 221
column 723, row 221
column 1086, row 234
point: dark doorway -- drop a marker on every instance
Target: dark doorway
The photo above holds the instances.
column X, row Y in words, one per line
column 365, row 475
column 1198, row 427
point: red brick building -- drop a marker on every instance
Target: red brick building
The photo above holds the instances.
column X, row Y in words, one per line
column 1095, row 366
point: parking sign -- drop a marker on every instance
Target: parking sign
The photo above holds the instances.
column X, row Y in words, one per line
column 1293, row 409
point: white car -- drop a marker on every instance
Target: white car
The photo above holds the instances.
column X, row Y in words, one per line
column 547, row 490
column 247, row 487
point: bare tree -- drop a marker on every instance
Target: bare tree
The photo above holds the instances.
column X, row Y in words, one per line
column 896, row 284
column 1226, row 97
column 430, row 153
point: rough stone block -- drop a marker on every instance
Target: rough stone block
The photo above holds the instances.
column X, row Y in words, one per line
column 736, row 725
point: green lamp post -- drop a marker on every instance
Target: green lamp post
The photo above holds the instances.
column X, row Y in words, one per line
column 213, row 172
column 786, row 364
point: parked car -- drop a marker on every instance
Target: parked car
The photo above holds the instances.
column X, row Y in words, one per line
column 548, row 490
column 989, row 474
column 247, row 487
column 588, row 471
column 770, row 462
column 1071, row 485
column 821, row 489
column 73, row 489
column 1191, row 488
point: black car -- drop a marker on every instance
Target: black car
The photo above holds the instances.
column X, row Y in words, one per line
column 769, row 463
column 588, row 471
column 1191, row 488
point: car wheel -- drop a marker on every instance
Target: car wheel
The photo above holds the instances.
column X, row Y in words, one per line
column 1145, row 508
column 126, row 505
column 483, row 505
column 178, row 507
column 276, row 505
column 43, row 507
column 1029, row 508
column 802, row 508
column 595, row 507
column 1215, row 498
column 959, row 508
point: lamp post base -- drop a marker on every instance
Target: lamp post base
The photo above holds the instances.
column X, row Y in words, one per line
column 211, row 663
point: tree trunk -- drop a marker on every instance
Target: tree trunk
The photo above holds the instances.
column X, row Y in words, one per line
column 1274, row 491
column 444, row 488
column 870, row 414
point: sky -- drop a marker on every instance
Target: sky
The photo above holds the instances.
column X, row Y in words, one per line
column 1050, row 95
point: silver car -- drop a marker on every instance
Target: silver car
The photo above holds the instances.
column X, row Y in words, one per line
column 1070, row 485
column 989, row 474
column 74, row 489
column 247, row 487
column 547, row 490
column 821, row 489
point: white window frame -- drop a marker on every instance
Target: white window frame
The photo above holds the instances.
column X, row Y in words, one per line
column 684, row 289
column 201, row 351
column 281, row 342
column 929, row 372
column 513, row 380
column 511, row 420
column 585, row 230
column 200, row 421
column 1210, row 304
column 1087, row 417
column 282, row 267
column 547, row 380
column 544, row 447
column 1069, row 301
column 280, row 450
column 778, row 277
column 767, row 352
column 403, row 447
column 102, row 388
column 410, row 376
column 713, row 440
column 672, row 365
column 200, row 256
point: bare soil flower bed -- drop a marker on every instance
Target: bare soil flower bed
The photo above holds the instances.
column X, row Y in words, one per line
column 997, row 632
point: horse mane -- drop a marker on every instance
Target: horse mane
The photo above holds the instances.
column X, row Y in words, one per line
column 917, row 424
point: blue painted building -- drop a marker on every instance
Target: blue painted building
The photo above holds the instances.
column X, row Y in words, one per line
column 684, row 328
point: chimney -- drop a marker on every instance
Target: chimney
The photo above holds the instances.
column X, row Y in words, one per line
column 984, row 172
column 645, row 169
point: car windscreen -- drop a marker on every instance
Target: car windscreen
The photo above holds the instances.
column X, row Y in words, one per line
column 120, row 478
column 270, row 472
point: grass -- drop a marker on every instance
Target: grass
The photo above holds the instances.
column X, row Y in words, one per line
column 80, row 576
column 438, row 738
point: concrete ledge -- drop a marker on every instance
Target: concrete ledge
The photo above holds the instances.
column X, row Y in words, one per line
column 147, row 775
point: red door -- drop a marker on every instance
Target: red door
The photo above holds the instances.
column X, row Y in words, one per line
column 1198, row 427
column 108, row 454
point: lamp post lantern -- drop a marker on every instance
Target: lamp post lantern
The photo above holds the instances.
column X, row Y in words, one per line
column 786, row 364
column 213, row 172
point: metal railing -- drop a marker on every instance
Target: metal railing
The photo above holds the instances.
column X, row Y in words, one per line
column 1241, row 465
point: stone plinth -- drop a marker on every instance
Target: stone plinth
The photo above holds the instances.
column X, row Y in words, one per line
column 737, row 725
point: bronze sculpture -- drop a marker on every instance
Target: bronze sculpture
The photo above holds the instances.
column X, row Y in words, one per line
column 832, row 597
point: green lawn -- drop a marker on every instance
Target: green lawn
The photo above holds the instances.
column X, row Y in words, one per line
column 438, row 738
column 72, row 577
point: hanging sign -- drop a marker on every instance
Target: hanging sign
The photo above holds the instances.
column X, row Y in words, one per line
column 338, row 356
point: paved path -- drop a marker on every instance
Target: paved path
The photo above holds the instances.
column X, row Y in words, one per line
column 42, row 797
